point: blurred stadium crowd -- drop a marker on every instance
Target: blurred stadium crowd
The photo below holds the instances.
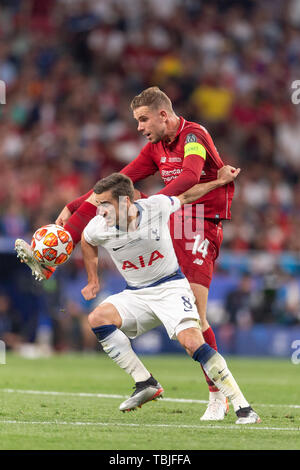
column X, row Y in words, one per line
column 71, row 68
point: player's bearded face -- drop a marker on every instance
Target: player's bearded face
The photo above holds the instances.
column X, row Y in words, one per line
column 151, row 123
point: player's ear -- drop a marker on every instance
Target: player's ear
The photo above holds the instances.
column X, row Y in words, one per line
column 163, row 114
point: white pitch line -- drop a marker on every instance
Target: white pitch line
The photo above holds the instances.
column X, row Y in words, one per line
column 104, row 395
column 69, row 394
column 90, row 395
column 136, row 425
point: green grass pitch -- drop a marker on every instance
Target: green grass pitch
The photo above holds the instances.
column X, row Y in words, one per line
column 71, row 402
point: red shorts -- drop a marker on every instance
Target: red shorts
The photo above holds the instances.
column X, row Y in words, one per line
column 198, row 250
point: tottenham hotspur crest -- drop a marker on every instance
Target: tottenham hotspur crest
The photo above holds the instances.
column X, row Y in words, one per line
column 156, row 234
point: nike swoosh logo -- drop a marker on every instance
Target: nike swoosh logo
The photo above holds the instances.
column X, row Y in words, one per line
column 126, row 244
column 119, row 248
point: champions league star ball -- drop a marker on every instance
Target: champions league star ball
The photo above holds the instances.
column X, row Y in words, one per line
column 52, row 245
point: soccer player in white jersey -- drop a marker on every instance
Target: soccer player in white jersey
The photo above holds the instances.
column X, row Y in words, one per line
column 137, row 237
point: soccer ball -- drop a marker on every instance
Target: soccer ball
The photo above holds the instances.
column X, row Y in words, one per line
column 52, row 245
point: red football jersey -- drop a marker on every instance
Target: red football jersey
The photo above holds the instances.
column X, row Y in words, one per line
column 191, row 156
column 189, row 159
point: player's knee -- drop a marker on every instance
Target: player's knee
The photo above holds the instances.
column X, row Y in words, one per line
column 103, row 315
column 95, row 319
column 190, row 337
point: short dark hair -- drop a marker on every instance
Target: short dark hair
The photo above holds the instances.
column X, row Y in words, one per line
column 118, row 184
column 152, row 97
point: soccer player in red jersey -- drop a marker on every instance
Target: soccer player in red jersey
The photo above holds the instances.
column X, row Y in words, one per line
column 184, row 154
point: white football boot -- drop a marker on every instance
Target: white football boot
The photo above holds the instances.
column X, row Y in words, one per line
column 247, row 416
column 144, row 391
column 40, row 271
column 216, row 410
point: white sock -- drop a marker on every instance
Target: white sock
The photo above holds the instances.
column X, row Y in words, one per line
column 217, row 370
column 118, row 348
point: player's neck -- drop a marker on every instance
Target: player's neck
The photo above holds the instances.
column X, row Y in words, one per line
column 172, row 128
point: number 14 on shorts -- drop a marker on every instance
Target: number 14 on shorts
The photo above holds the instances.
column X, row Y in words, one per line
column 200, row 247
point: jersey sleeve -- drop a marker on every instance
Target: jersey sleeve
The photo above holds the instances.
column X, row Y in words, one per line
column 165, row 204
column 74, row 205
column 194, row 145
column 175, row 203
column 194, row 159
column 190, row 175
column 142, row 166
column 94, row 232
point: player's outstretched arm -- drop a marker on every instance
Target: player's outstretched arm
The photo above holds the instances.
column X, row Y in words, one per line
column 90, row 258
column 66, row 213
column 63, row 217
column 226, row 175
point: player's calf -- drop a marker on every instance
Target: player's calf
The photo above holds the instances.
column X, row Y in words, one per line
column 191, row 339
column 216, row 368
column 118, row 347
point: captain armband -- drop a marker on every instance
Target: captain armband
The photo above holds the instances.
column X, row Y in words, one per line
column 194, row 148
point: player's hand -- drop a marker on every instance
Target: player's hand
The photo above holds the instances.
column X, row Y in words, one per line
column 90, row 290
column 63, row 217
column 227, row 174
column 93, row 199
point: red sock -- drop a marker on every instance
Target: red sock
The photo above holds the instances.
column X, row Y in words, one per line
column 210, row 339
column 79, row 219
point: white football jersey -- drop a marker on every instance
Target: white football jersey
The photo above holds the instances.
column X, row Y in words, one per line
column 146, row 255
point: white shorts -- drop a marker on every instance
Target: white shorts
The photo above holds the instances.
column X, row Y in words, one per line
column 171, row 304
